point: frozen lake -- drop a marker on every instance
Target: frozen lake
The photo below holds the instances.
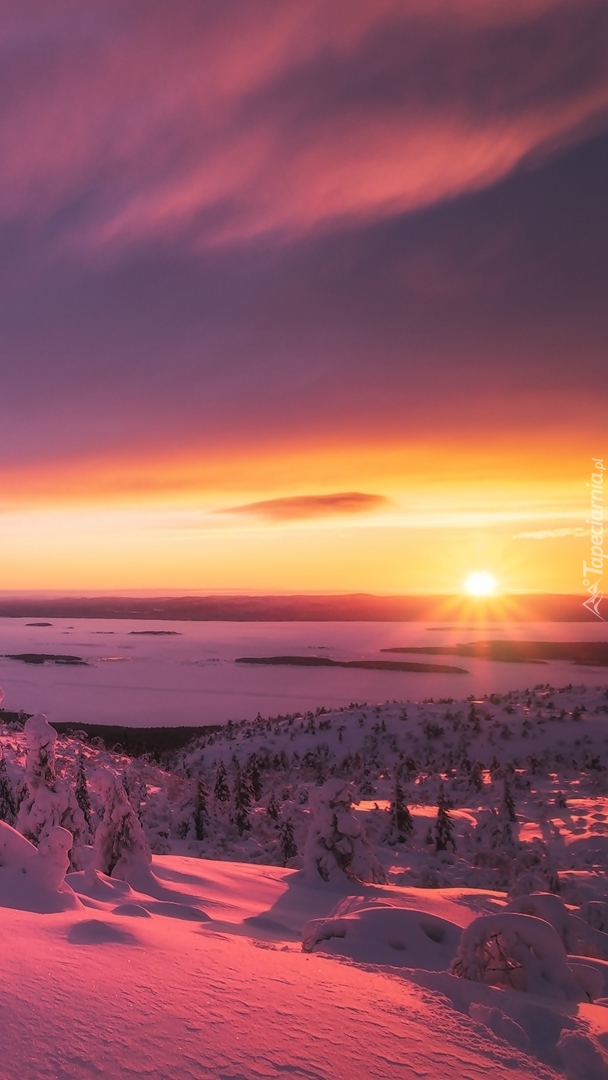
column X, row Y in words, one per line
column 190, row 678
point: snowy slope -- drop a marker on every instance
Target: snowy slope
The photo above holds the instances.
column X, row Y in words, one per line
column 199, row 967
column 100, row 993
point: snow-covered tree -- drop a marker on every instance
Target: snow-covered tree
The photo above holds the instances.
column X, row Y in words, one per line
column 476, row 776
column 82, row 792
column 201, row 809
column 8, row 810
column 135, row 789
column 287, row 842
column 120, row 845
column 273, row 809
column 241, row 800
column 254, row 778
column 221, row 791
column 508, row 802
column 49, row 801
column 337, row 845
column 444, row 827
column 401, row 822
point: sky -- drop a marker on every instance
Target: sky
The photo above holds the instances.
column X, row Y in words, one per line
column 301, row 297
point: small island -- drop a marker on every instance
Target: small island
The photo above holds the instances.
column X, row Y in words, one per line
column 366, row 665
column 47, row 658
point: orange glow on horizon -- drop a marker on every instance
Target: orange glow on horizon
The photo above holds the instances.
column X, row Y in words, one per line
column 150, row 521
column 242, row 473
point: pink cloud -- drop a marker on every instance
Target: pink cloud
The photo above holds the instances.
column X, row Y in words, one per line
column 217, row 123
column 299, row 507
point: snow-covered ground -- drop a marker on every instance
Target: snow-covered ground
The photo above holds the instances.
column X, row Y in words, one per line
column 140, row 677
column 377, row 951
column 128, row 986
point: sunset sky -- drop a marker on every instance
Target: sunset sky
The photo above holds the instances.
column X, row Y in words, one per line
column 301, row 295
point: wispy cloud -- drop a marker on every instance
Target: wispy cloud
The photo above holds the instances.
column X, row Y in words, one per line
column 550, row 534
column 223, row 122
column 298, row 507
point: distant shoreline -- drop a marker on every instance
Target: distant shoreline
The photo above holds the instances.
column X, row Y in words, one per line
column 588, row 653
column 352, row 607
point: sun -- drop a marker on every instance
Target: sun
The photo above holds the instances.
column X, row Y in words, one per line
column 481, row 583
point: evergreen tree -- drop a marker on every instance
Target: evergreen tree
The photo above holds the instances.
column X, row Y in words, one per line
column 401, row 820
column 241, row 800
column 201, row 809
column 508, row 803
column 287, row 843
column 444, row 827
column 221, row 791
column 253, row 776
column 476, row 776
column 82, row 792
column 273, row 809
column 8, row 810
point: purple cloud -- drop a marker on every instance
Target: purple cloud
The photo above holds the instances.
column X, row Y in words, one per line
column 298, row 507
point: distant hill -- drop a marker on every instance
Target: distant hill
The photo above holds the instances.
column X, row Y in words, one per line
column 350, row 607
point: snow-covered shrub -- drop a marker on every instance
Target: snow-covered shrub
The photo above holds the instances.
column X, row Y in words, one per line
column 120, row 845
column 49, row 801
column 53, row 860
column 517, row 952
column 337, row 846
column 577, row 936
column 34, row 878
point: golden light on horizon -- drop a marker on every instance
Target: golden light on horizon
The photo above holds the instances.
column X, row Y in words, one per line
column 480, row 583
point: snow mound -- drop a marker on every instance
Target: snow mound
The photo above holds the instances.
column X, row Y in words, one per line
column 582, row 1057
column 174, row 910
column 94, row 884
column 33, row 879
column 136, row 911
column 98, row 932
column 401, row 937
column 495, row 1020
